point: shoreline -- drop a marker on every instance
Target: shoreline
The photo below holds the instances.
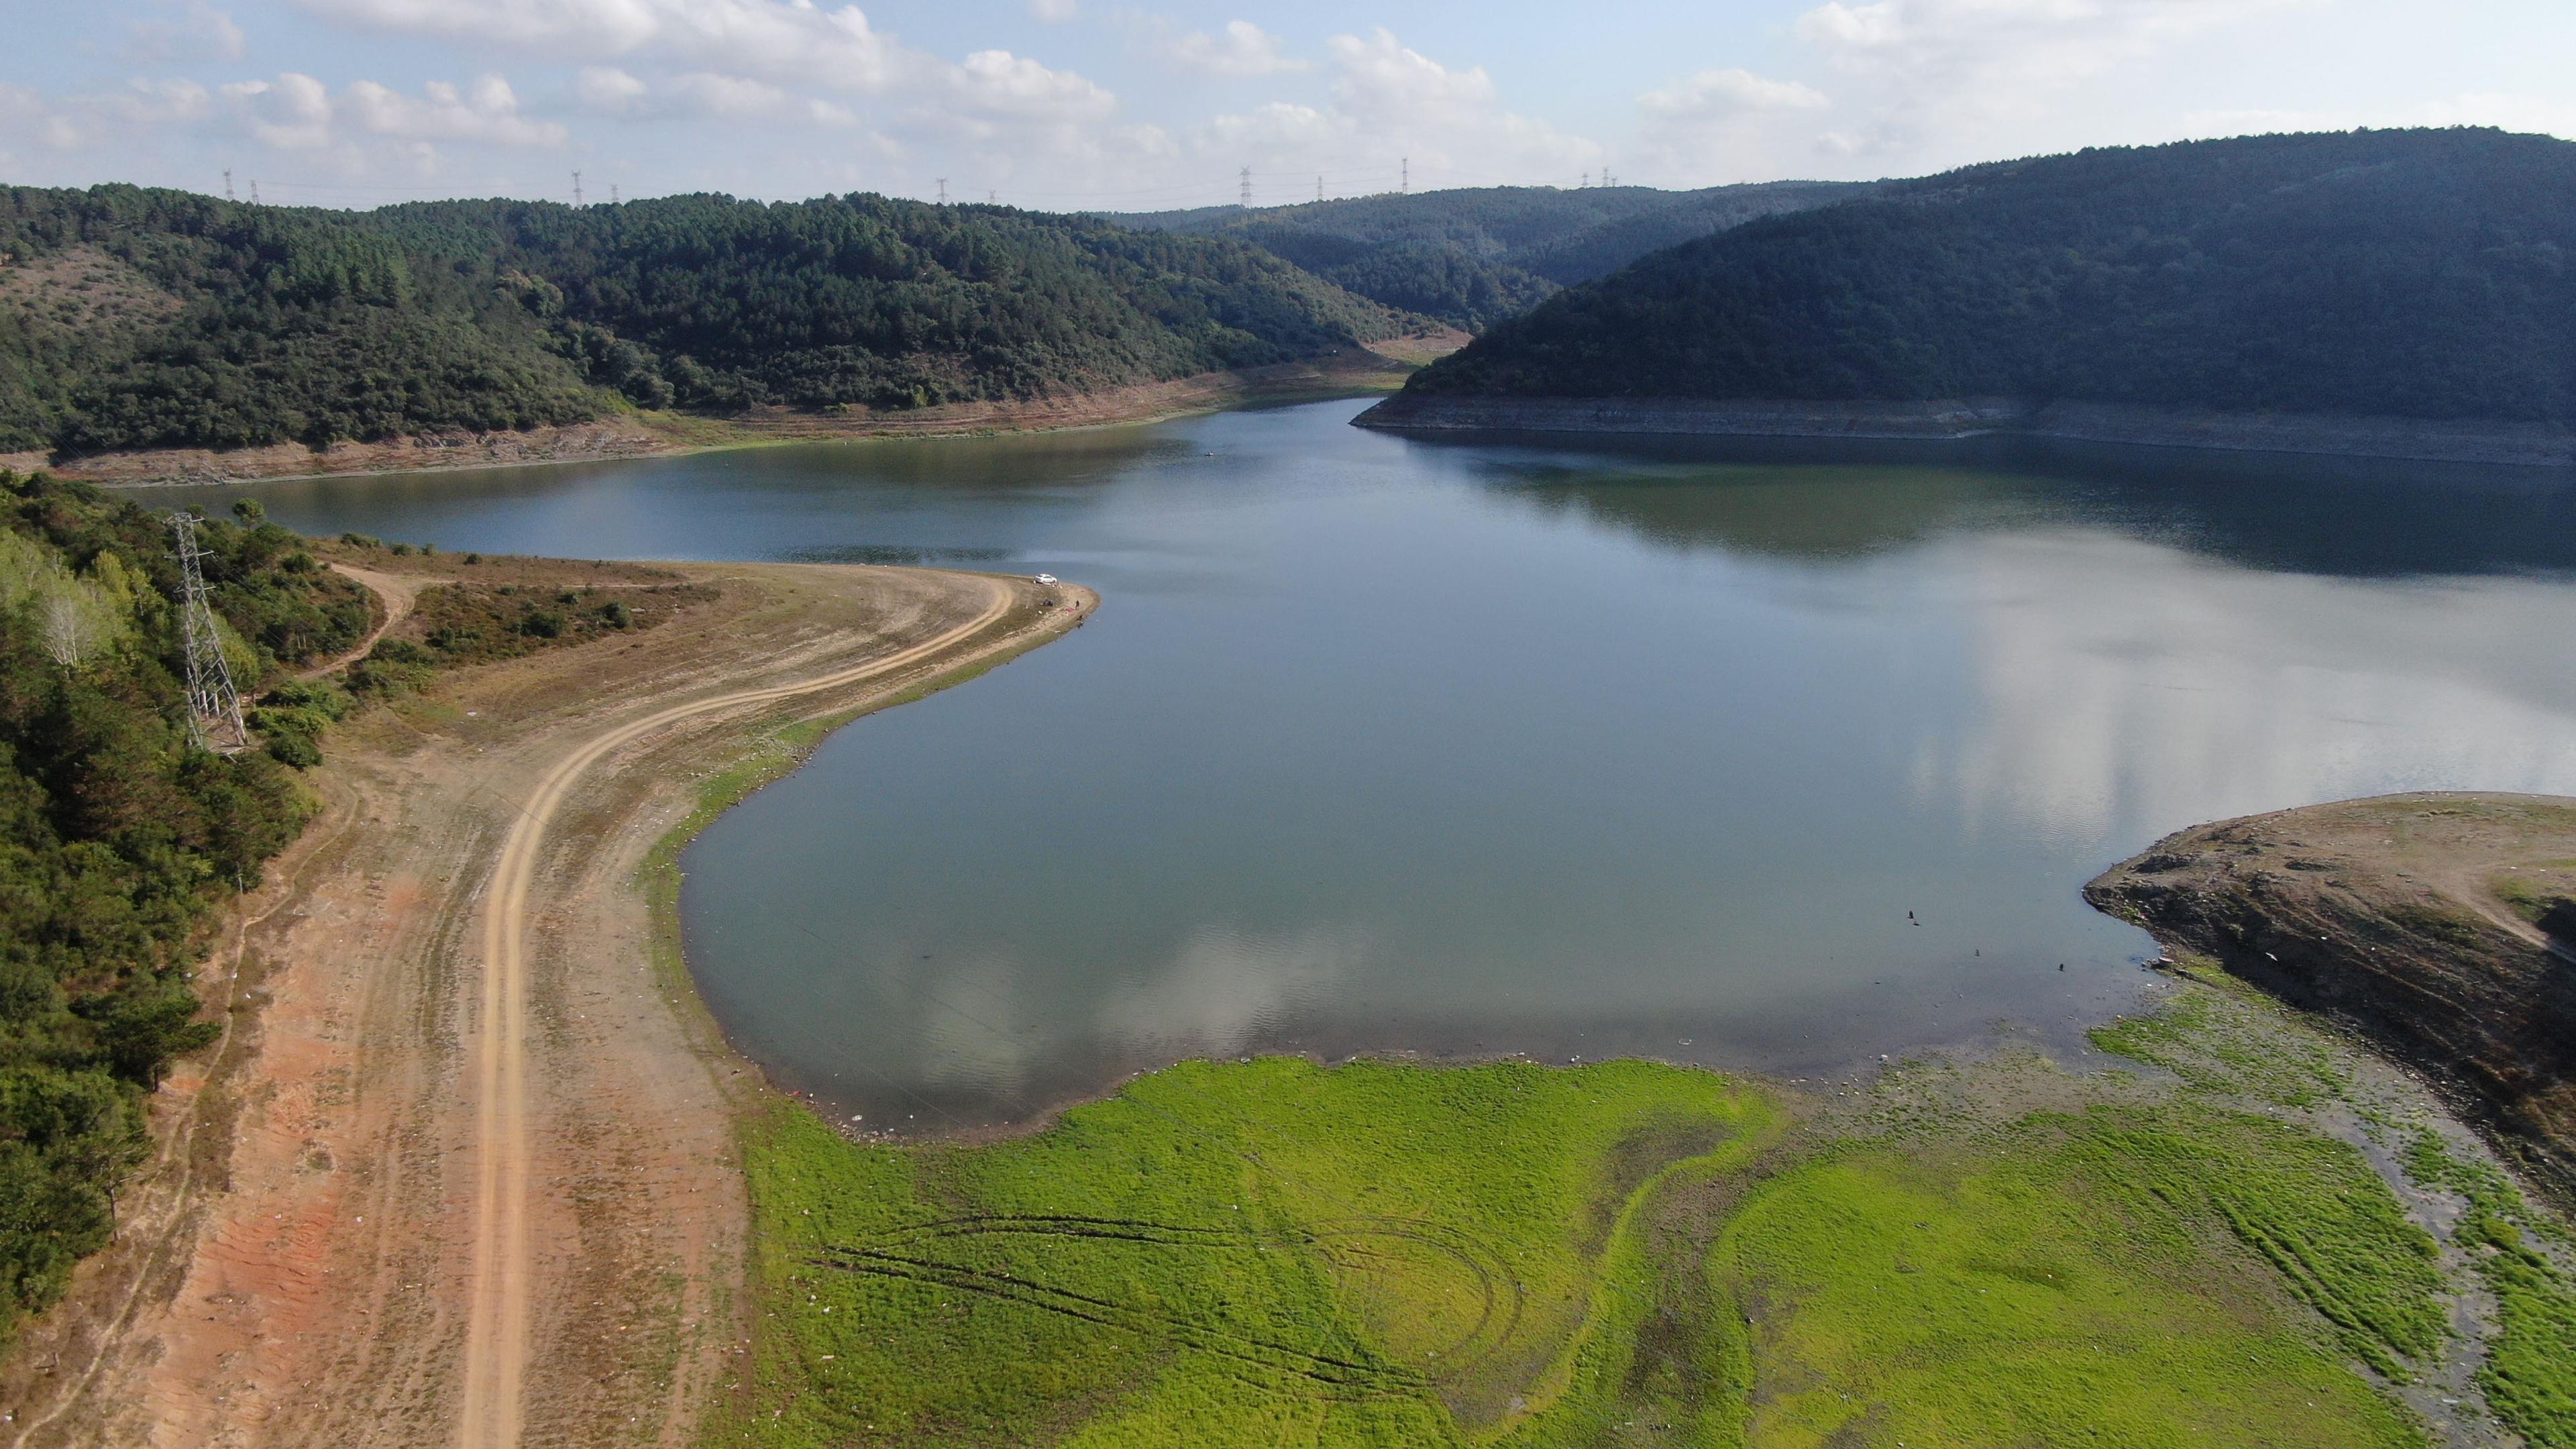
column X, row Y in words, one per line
column 1356, row 372
column 335, row 1243
column 634, row 1330
column 2387, row 918
column 1956, row 420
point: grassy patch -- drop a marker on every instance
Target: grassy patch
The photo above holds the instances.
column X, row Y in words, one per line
column 2530, row 1372
column 2228, row 1038
column 2071, row 1280
column 1371, row 1254
column 1275, row 1252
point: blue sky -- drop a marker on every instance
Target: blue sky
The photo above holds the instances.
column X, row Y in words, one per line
column 1082, row 103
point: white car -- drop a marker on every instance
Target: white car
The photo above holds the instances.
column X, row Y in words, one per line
column 1046, row 578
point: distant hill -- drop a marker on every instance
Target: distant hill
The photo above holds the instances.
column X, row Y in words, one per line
column 132, row 318
column 2390, row 274
column 1472, row 257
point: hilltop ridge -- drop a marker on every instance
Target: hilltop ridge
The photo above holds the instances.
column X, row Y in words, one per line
column 2410, row 275
column 133, row 318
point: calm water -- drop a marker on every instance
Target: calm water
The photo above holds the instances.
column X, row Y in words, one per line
column 1374, row 744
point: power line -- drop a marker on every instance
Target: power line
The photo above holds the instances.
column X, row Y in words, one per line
column 214, row 708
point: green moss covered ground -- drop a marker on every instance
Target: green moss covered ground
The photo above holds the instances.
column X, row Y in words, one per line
column 1256, row 1253
column 2071, row 1279
column 1276, row 1253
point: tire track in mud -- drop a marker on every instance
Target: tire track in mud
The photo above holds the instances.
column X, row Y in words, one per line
column 907, row 1254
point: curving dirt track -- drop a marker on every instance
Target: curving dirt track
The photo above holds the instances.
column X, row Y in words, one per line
column 395, row 595
column 464, row 1171
column 496, row 1341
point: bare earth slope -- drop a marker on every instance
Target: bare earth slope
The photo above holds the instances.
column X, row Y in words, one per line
column 2409, row 917
column 464, row 1169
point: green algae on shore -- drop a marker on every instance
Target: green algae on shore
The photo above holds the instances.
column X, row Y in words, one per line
column 1383, row 1252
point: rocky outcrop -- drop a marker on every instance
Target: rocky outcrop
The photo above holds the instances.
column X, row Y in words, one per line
column 1943, row 419
column 2386, row 916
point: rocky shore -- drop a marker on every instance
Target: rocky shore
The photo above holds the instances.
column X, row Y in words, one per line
column 2436, row 925
column 1950, row 419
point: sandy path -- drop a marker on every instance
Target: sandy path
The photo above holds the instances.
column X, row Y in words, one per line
column 395, row 592
column 407, row 1183
column 496, row 1343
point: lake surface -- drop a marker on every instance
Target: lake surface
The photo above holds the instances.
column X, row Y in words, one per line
column 1766, row 758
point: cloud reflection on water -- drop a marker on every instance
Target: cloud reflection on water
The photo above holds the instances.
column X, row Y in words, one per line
column 2114, row 689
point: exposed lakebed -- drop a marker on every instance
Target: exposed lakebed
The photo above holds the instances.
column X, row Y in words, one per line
column 1765, row 757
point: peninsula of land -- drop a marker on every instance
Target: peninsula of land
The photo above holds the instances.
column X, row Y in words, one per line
column 466, row 1151
column 2441, row 927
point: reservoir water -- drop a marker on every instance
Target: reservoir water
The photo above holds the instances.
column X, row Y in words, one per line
column 1765, row 758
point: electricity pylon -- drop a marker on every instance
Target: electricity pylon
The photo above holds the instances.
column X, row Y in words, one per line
column 214, row 707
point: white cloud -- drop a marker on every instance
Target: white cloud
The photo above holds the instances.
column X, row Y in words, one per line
column 295, row 112
column 1390, row 101
column 996, row 82
column 1244, row 50
column 486, row 113
column 291, row 113
column 608, row 90
column 1729, row 93
column 196, row 31
column 1383, row 76
column 1726, row 125
column 101, row 118
column 703, row 96
column 784, row 41
column 1054, row 12
column 1949, row 75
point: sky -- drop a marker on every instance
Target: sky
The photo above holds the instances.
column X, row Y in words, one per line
column 1089, row 104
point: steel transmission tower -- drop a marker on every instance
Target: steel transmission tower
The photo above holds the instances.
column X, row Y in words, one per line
column 1244, row 198
column 214, row 708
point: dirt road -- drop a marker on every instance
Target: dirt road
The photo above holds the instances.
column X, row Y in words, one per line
column 496, row 1341
column 465, row 1171
column 395, row 594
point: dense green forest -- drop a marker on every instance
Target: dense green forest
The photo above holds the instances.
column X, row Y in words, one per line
column 119, row 840
column 2405, row 273
column 136, row 318
column 1472, row 257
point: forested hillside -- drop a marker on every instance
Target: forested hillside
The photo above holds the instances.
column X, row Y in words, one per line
column 1473, row 257
column 132, row 318
column 2421, row 274
column 119, row 840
